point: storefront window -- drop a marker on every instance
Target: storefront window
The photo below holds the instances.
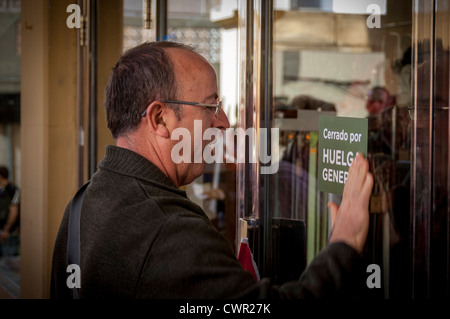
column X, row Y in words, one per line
column 430, row 158
column 333, row 59
column 348, row 61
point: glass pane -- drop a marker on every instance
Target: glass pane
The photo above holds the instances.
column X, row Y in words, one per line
column 10, row 52
column 440, row 231
column 347, row 61
column 431, row 257
column 421, row 179
column 135, row 30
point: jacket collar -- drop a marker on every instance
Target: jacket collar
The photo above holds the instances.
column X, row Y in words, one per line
column 127, row 162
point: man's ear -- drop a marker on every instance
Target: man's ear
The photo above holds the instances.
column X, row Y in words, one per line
column 156, row 112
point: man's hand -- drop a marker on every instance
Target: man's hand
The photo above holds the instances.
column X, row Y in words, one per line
column 350, row 221
column 4, row 235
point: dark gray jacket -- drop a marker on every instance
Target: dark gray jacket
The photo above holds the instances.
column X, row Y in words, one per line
column 141, row 237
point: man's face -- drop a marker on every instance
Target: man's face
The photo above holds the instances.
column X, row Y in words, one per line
column 197, row 82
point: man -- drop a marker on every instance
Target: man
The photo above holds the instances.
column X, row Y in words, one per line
column 141, row 237
column 9, row 215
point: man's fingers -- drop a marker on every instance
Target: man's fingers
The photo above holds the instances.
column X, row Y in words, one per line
column 368, row 183
column 361, row 177
column 357, row 174
column 352, row 221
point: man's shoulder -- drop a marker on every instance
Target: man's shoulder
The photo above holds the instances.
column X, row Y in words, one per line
column 11, row 190
column 110, row 193
column 11, row 187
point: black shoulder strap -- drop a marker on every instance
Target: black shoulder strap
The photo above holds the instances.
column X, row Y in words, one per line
column 73, row 235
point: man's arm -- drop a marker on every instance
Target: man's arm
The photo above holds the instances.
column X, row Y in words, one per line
column 191, row 259
column 334, row 272
column 10, row 221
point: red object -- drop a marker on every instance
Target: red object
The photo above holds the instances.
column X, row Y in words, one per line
column 379, row 99
column 245, row 257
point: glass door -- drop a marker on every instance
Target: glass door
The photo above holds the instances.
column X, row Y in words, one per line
column 430, row 219
column 384, row 61
column 335, row 58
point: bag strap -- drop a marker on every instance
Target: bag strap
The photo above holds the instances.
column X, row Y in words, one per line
column 73, row 234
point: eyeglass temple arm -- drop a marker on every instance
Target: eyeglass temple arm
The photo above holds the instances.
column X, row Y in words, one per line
column 192, row 103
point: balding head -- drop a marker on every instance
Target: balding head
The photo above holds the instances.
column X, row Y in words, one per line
column 143, row 74
column 174, row 90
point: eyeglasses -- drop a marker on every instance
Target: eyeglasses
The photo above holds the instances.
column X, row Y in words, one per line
column 217, row 106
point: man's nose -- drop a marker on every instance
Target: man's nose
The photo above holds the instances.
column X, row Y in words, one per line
column 221, row 122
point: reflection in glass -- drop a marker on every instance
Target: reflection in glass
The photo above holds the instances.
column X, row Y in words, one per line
column 328, row 61
column 430, row 218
